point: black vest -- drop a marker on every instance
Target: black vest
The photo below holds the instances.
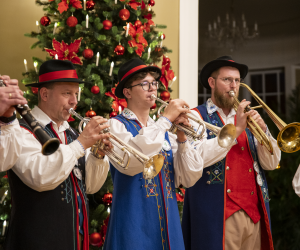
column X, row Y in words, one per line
column 45, row 220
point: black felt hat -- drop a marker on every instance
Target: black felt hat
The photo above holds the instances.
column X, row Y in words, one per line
column 222, row 61
column 56, row 71
column 129, row 69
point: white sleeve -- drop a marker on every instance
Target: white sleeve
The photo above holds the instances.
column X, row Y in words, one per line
column 95, row 173
column 209, row 149
column 188, row 163
column 41, row 172
column 268, row 161
column 10, row 144
column 149, row 141
column 296, row 181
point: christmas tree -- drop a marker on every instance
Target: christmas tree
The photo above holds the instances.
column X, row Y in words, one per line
column 97, row 36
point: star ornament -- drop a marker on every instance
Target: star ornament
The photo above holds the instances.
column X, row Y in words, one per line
column 138, row 39
column 65, row 51
column 64, row 5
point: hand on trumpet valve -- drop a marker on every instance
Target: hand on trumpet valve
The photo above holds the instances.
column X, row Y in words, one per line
column 183, row 119
column 92, row 132
column 10, row 96
column 175, row 108
column 108, row 146
column 241, row 117
column 257, row 118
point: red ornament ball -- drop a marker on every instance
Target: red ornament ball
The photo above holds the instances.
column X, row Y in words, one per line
column 95, row 90
column 151, row 2
column 34, row 90
column 95, row 239
column 163, row 36
column 138, row 23
column 91, row 113
column 154, row 106
column 167, row 60
column 72, row 21
column 88, row 53
column 45, row 21
column 90, row 5
column 107, row 24
column 165, row 95
column 107, row 199
column 119, row 50
column 113, row 114
column 124, row 14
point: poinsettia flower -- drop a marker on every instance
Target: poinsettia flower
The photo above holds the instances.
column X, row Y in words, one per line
column 166, row 73
column 65, row 51
column 71, row 119
column 148, row 25
column 64, row 5
column 138, row 39
column 133, row 4
column 118, row 102
column 148, row 16
column 180, row 197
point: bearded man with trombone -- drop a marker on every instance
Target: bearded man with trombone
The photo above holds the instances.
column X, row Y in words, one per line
column 228, row 208
column 50, row 205
column 144, row 214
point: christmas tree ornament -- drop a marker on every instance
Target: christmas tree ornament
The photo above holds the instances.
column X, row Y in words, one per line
column 163, row 36
column 95, row 90
column 90, row 5
column 34, row 90
column 165, row 95
column 107, row 198
column 72, row 21
column 107, row 24
column 159, row 51
column 167, row 60
column 95, row 239
column 124, row 14
column 88, row 53
column 154, row 106
column 45, row 21
column 119, row 50
column 138, row 23
column 91, row 113
column 113, row 114
column 151, row 3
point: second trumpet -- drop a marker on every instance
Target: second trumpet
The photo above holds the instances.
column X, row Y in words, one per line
column 152, row 165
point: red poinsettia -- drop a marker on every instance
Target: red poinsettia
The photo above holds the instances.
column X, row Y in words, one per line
column 138, row 39
column 133, row 4
column 117, row 101
column 180, row 197
column 71, row 119
column 64, row 5
column 166, row 73
column 65, row 51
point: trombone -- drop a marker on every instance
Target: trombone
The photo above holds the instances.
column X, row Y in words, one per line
column 152, row 165
column 226, row 134
column 288, row 139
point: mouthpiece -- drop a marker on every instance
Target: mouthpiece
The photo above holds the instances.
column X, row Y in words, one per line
column 231, row 93
column 153, row 97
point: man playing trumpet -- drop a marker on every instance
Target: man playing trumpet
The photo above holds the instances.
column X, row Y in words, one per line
column 10, row 131
column 228, row 208
column 144, row 214
column 50, row 205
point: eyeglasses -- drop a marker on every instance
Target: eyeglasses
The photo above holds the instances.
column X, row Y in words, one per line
column 229, row 80
column 146, row 85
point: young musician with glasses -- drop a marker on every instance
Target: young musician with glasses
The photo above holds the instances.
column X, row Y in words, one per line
column 228, row 207
column 144, row 213
column 10, row 131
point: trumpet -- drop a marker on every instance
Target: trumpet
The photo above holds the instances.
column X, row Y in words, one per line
column 226, row 134
column 288, row 139
column 49, row 145
column 152, row 165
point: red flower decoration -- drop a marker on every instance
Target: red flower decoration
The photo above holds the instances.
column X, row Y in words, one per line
column 166, row 73
column 133, row 4
column 148, row 25
column 71, row 119
column 180, row 197
column 138, row 39
column 65, row 51
column 64, row 5
column 117, row 101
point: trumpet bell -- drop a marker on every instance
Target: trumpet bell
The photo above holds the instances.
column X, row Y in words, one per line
column 227, row 135
column 288, row 139
column 153, row 166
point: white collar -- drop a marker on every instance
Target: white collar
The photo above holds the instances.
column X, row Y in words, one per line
column 44, row 119
column 211, row 108
column 128, row 114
